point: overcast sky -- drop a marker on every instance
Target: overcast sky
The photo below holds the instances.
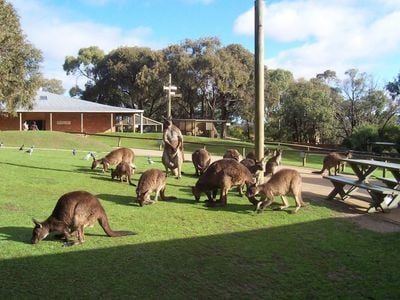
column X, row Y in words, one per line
column 305, row 37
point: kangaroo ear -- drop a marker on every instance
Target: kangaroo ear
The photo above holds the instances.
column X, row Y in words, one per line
column 37, row 223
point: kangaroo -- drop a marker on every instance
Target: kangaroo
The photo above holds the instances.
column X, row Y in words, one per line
column 222, row 174
column 234, row 154
column 273, row 163
column 201, row 160
column 123, row 169
column 173, row 161
column 114, row 158
column 281, row 183
column 333, row 160
column 173, row 156
column 72, row 213
column 152, row 180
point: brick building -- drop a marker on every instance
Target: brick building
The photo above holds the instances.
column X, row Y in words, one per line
column 61, row 113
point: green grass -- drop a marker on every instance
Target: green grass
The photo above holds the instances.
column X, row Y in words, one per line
column 182, row 249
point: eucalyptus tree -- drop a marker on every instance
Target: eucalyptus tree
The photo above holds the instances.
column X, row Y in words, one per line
column 19, row 62
column 306, row 112
column 234, row 84
column 364, row 103
column 85, row 65
column 277, row 83
column 52, row 85
column 128, row 77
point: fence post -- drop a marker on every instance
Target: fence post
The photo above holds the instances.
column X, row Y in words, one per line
column 119, row 141
column 244, row 152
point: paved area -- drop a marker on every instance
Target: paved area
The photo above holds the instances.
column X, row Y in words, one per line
column 316, row 188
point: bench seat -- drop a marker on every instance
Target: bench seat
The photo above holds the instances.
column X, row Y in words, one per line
column 382, row 197
column 363, row 185
column 390, row 182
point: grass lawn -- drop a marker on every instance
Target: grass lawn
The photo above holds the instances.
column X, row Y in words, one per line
column 182, row 249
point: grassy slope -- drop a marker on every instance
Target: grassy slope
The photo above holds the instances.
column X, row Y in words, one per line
column 183, row 249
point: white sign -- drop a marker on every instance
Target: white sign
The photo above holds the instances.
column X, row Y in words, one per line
column 63, row 122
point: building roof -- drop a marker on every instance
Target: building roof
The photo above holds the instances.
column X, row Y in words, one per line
column 49, row 102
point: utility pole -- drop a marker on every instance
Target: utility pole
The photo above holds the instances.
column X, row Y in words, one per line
column 259, row 78
column 171, row 93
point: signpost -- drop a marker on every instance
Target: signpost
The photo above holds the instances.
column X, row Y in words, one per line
column 171, row 93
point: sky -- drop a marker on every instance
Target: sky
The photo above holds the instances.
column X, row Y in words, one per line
column 305, row 37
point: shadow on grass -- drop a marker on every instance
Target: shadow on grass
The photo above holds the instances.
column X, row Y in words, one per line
column 118, row 199
column 82, row 170
column 306, row 260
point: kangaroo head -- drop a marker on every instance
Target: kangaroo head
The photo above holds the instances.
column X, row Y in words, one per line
column 196, row 193
column 95, row 163
column 140, row 197
column 39, row 232
column 251, row 190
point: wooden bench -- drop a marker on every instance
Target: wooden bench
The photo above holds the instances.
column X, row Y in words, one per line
column 390, row 182
column 381, row 196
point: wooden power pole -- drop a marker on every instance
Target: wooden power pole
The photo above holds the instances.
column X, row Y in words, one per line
column 259, row 78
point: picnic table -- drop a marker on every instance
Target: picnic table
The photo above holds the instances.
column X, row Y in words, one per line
column 383, row 196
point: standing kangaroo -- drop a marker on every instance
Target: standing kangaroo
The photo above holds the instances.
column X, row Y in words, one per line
column 333, row 160
column 123, row 169
column 72, row 213
column 273, row 163
column 281, row 183
column 172, row 156
column 114, row 158
column 152, row 180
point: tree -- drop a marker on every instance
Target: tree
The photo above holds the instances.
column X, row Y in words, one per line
column 393, row 88
column 19, row 62
column 307, row 113
column 84, row 65
column 52, row 86
column 364, row 103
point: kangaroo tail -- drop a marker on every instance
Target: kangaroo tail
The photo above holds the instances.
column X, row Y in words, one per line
column 130, row 182
column 318, row 172
column 103, row 221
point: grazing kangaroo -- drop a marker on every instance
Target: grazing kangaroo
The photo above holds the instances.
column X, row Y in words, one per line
column 273, row 163
column 234, row 154
column 173, row 156
column 281, row 183
column 222, row 174
column 123, row 169
column 333, row 160
column 114, row 158
column 72, row 213
column 152, row 180
column 201, row 160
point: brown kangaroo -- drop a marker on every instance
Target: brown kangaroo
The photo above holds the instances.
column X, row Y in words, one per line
column 201, row 160
column 333, row 160
column 222, row 174
column 173, row 156
column 234, row 154
column 281, row 183
column 152, row 180
column 114, row 158
column 273, row 163
column 123, row 169
column 72, row 213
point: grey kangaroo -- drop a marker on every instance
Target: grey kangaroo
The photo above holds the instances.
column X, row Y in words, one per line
column 281, row 183
column 72, row 213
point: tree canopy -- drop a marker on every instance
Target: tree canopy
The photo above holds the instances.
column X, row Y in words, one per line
column 217, row 82
column 19, row 62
